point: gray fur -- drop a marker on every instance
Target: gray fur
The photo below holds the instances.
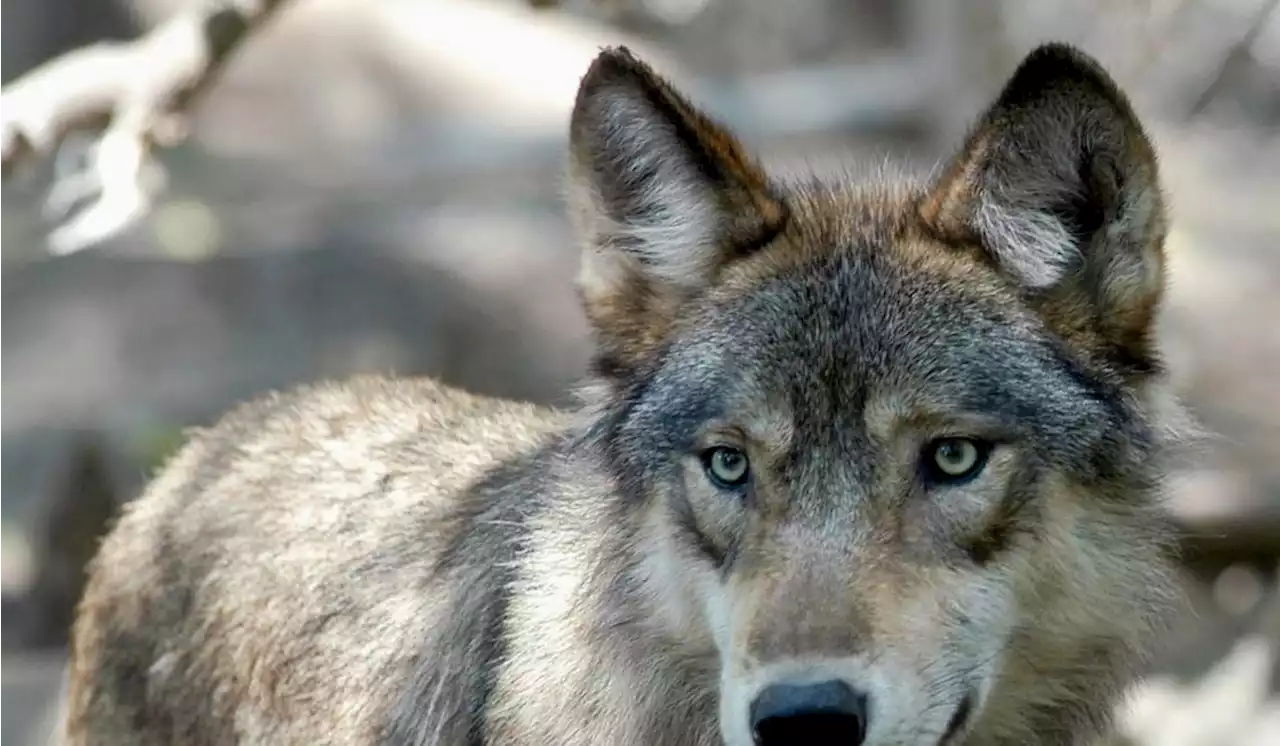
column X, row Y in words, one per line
column 396, row 562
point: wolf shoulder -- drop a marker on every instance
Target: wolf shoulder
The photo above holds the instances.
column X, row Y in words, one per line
column 312, row 522
column 334, row 473
column 327, row 482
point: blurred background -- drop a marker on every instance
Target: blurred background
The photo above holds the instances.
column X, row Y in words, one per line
column 374, row 186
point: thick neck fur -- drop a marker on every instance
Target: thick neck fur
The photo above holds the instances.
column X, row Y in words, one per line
column 597, row 649
column 1085, row 636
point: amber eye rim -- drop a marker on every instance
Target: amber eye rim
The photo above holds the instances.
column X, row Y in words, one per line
column 954, row 460
column 726, row 467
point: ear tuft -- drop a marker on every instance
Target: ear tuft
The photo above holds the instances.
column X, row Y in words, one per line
column 662, row 197
column 1058, row 183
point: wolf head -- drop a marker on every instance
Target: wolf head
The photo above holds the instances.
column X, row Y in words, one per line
column 895, row 445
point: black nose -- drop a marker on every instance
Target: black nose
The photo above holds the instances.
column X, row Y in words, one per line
column 829, row 712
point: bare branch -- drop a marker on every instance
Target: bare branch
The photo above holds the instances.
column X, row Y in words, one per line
column 1238, row 51
column 135, row 96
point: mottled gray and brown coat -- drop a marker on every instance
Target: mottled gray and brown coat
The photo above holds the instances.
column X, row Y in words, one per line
column 856, row 463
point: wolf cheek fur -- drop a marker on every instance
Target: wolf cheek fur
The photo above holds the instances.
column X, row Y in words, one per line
column 855, row 464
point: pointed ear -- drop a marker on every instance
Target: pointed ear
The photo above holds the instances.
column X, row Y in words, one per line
column 1058, row 184
column 662, row 197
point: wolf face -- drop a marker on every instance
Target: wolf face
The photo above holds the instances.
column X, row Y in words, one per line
column 897, row 444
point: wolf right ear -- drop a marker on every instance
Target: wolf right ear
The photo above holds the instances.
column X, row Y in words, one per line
column 662, row 197
column 1058, row 184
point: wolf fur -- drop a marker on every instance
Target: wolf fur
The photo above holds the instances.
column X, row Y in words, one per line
column 391, row 561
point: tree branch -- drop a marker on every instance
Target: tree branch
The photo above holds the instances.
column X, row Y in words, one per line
column 135, row 95
column 1239, row 50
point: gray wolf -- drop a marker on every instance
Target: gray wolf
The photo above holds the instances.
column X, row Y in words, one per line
column 857, row 462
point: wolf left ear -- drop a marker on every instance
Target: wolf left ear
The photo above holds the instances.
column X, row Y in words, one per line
column 1058, row 184
column 663, row 199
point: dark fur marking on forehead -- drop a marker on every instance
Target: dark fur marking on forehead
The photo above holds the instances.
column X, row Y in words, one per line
column 1075, row 410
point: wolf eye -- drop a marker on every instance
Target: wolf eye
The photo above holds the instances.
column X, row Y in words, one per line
column 726, row 467
column 952, row 460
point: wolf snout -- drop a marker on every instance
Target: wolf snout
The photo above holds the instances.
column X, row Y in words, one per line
column 827, row 712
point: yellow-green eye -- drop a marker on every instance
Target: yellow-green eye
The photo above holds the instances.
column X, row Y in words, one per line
column 955, row 459
column 726, row 467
